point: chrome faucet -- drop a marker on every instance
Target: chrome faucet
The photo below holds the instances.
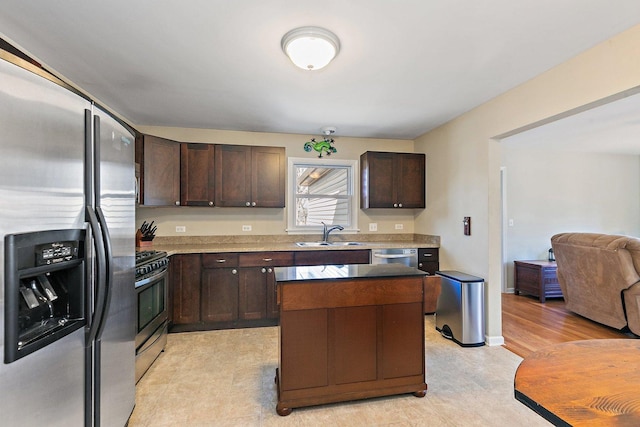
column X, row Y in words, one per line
column 326, row 231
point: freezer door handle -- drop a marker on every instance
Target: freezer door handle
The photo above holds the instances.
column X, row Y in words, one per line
column 108, row 267
column 101, row 277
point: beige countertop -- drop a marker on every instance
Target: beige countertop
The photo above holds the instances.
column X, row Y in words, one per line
column 212, row 244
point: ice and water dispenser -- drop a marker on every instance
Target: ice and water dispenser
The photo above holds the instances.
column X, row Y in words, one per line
column 44, row 289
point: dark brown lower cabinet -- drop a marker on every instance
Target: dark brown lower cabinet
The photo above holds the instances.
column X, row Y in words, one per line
column 339, row 343
column 219, row 295
column 252, row 293
column 185, row 288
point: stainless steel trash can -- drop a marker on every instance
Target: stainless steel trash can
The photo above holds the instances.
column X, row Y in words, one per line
column 460, row 309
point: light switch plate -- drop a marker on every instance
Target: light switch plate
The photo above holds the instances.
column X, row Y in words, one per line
column 373, row 226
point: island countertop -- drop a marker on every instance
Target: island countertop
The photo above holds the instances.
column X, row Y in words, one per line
column 344, row 272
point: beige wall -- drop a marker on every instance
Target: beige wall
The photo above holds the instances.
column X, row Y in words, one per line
column 229, row 221
column 550, row 192
column 464, row 172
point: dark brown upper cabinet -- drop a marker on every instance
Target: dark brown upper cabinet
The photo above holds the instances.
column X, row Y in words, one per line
column 159, row 161
column 392, row 180
column 250, row 176
column 196, row 174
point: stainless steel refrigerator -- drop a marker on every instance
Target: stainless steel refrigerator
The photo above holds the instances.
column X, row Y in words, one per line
column 67, row 227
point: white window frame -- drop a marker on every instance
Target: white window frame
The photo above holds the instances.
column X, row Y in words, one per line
column 294, row 162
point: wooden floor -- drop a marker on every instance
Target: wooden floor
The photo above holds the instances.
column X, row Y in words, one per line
column 528, row 325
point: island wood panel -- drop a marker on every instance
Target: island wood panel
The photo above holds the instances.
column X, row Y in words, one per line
column 306, row 362
column 403, row 337
column 345, row 293
column 355, row 333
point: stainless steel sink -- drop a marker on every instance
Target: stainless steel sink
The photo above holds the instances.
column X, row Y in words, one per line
column 313, row 244
column 316, row 244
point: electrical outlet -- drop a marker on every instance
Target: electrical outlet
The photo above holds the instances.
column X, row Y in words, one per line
column 181, row 229
column 399, row 226
column 246, row 228
column 373, row 226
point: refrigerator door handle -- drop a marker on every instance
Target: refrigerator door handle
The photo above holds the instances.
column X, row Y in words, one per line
column 101, row 269
column 106, row 239
column 108, row 267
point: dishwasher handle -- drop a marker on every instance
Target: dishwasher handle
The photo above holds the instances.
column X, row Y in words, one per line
column 392, row 256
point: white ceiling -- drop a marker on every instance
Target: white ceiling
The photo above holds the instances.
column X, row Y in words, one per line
column 405, row 67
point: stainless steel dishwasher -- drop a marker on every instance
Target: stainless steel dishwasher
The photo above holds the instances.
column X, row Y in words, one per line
column 395, row 256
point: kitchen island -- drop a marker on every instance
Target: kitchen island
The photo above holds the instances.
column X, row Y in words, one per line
column 349, row 332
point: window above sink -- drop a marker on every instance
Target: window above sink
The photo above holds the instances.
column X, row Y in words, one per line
column 321, row 190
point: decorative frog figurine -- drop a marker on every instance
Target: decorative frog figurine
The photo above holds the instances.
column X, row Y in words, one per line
column 324, row 146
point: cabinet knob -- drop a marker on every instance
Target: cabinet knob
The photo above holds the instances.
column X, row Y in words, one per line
column 270, row 270
column 210, row 203
column 234, row 271
column 395, row 205
column 400, row 205
column 177, row 202
column 253, row 204
column 264, row 270
column 248, row 204
column 419, row 264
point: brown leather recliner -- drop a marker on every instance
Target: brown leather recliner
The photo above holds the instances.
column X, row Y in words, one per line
column 599, row 275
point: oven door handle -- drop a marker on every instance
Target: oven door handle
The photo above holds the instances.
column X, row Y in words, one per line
column 150, row 279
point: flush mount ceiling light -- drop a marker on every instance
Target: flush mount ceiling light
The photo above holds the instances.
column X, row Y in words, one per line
column 310, row 48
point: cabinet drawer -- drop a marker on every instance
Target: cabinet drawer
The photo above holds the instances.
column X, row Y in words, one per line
column 259, row 259
column 427, row 254
column 359, row 256
column 220, row 260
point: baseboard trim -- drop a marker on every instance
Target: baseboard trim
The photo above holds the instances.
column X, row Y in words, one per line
column 494, row 340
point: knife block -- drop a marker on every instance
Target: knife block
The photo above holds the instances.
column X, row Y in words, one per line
column 142, row 243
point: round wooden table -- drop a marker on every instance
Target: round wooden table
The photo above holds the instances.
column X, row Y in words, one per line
column 593, row 382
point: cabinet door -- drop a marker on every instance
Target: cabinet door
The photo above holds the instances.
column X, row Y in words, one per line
column 219, row 294
column 185, row 288
column 377, row 183
column 392, row 180
column 273, row 309
column 196, row 175
column 304, row 355
column 252, row 299
column 233, row 175
column 160, row 172
column 268, row 179
column 410, row 180
column 402, row 340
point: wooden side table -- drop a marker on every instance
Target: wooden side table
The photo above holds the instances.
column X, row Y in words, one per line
column 537, row 278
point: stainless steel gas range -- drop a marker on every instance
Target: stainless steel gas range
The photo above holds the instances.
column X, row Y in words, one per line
column 152, row 291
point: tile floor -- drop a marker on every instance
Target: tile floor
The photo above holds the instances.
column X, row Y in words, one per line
column 225, row 378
